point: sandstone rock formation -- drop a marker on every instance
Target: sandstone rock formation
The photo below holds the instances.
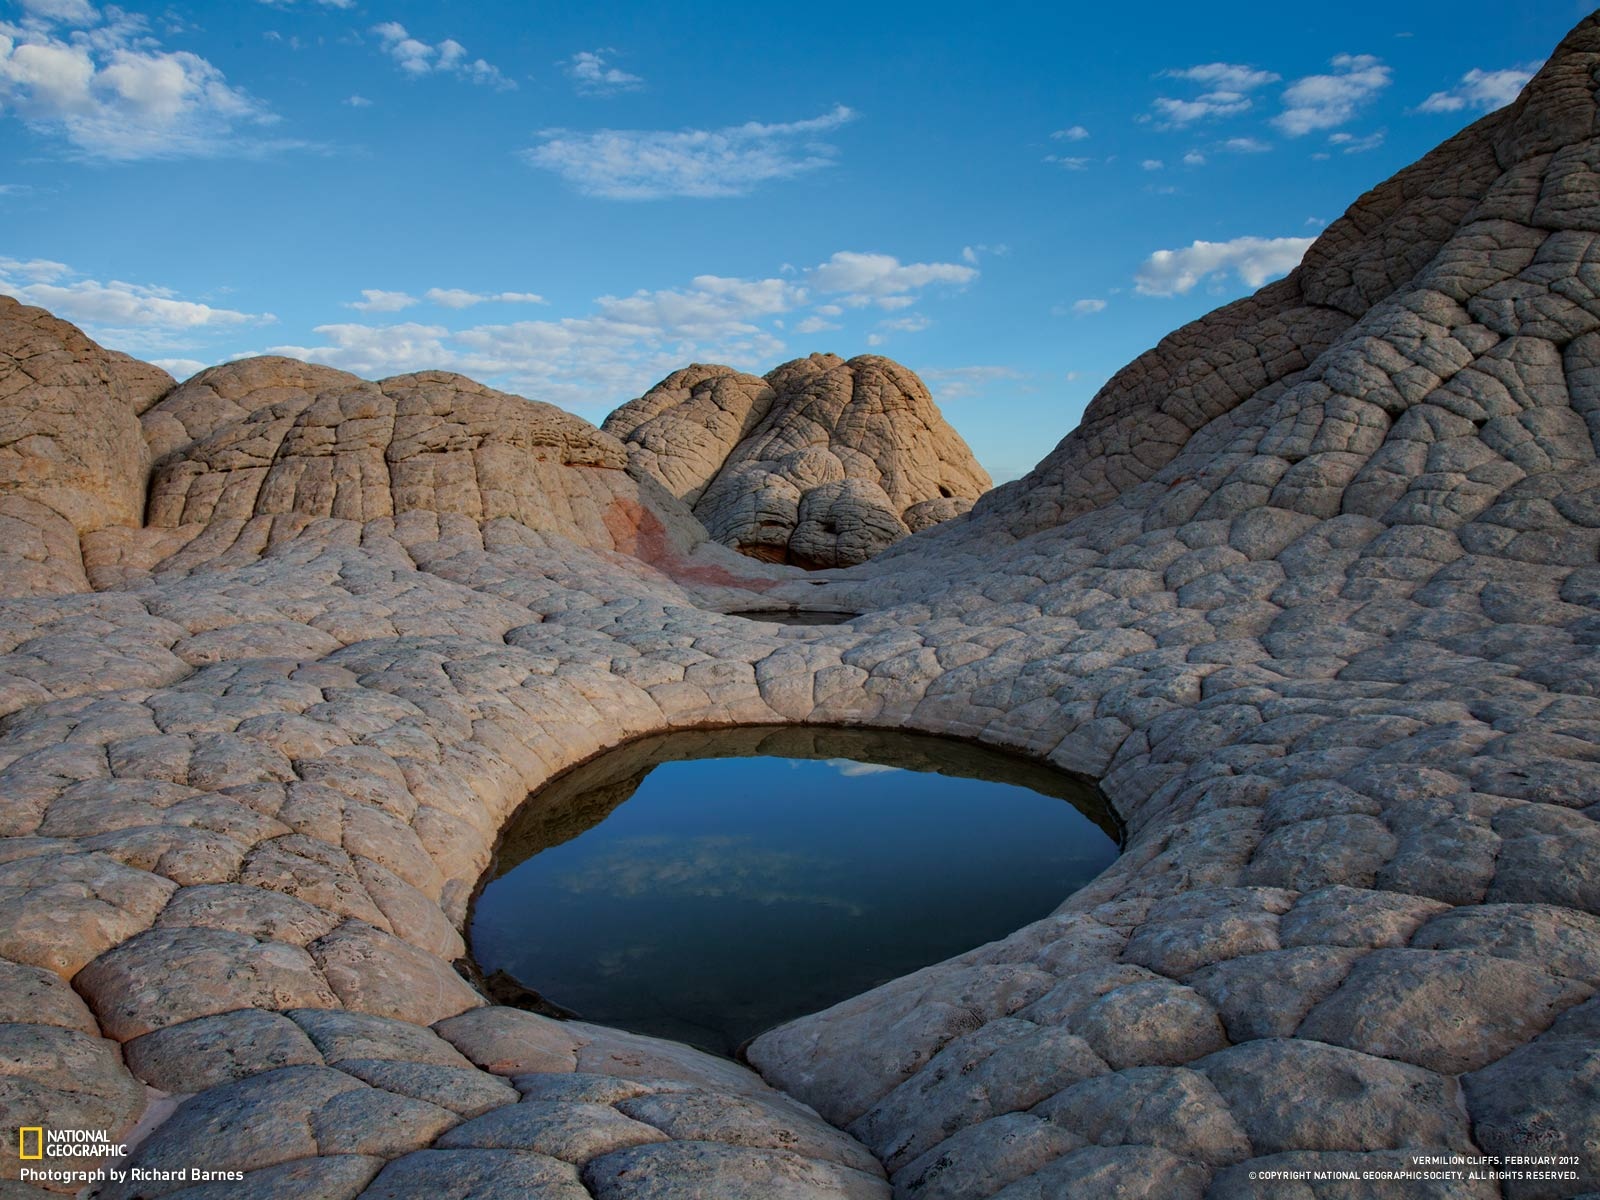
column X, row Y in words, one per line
column 821, row 464
column 1329, row 636
column 71, row 457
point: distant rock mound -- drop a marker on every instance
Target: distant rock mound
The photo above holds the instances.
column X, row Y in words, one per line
column 271, row 437
column 822, row 463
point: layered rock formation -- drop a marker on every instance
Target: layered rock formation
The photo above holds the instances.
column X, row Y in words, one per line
column 823, row 463
column 1328, row 635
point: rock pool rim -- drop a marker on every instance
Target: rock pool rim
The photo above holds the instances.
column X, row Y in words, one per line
column 530, row 830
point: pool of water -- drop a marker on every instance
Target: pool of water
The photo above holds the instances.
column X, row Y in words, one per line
column 708, row 886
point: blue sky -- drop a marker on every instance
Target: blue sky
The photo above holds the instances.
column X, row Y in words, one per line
column 571, row 201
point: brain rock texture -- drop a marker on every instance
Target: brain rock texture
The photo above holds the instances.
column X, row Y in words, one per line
column 823, row 463
column 1313, row 590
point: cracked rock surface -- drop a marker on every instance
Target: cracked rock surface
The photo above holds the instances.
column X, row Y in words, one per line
column 1313, row 590
column 822, row 463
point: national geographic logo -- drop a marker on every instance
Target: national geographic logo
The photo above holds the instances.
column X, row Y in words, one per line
column 36, row 1143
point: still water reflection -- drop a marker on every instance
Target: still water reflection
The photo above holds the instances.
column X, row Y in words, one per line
column 755, row 875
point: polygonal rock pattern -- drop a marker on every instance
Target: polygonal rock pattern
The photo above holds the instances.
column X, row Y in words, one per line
column 823, row 463
column 1314, row 591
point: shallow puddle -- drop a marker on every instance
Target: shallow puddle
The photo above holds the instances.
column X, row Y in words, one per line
column 706, row 886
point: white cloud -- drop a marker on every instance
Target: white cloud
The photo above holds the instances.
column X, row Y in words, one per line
column 626, row 343
column 375, row 300
column 1244, row 145
column 324, row 3
column 619, row 349
column 882, row 279
column 138, row 317
column 1176, row 113
column 1327, row 101
column 1068, row 162
column 1228, row 86
column 1232, row 77
column 1085, row 308
column 378, row 350
column 1481, row 89
column 915, row 323
column 1153, row 164
column 114, row 93
column 70, row 12
column 180, row 368
column 1194, row 159
column 449, row 57
column 644, row 164
column 971, row 254
column 461, row 298
column 359, row 102
column 960, row 383
column 851, row 769
column 1253, row 259
column 1351, row 144
column 593, row 77
column 1075, row 134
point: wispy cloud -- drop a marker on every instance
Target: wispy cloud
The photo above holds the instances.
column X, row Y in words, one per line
column 1253, row 259
column 1088, row 307
column 449, row 57
column 377, row 300
column 882, row 279
column 961, row 383
column 644, row 164
column 1328, row 101
column 461, row 298
column 625, row 343
column 131, row 315
column 1351, row 144
column 99, row 80
column 1483, row 90
column 915, row 323
column 851, row 769
column 1232, row 77
column 1228, row 87
column 593, row 76
column 1073, row 133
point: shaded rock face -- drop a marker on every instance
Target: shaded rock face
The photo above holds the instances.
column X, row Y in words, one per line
column 823, row 463
column 1314, row 592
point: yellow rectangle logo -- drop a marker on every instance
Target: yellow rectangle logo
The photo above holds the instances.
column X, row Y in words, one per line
column 38, row 1142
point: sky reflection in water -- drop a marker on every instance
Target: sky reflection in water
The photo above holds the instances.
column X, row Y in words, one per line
column 728, row 895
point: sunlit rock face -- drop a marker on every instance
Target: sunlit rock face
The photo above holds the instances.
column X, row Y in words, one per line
column 1314, row 592
column 71, row 457
column 822, row 463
